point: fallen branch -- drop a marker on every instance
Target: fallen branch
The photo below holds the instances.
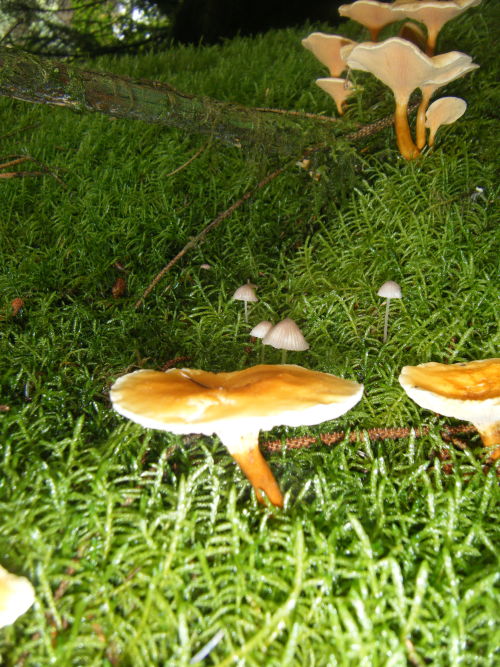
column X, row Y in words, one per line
column 199, row 237
column 359, row 436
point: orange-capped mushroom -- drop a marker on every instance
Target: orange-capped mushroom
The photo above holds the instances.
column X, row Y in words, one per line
column 469, row 391
column 235, row 406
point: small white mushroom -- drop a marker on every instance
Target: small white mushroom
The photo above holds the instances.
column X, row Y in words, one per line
column 389, row 290
column 246, row 293
column 259, row 331
column 284, row 336
column 16, row 597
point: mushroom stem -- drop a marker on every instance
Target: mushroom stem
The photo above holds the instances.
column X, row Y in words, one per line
column 374, row 33
column 386, row 320
column 246, row 311
column 420, row 127
column 490, row 435
column 432, row 34
column 244, row 448
column 403, row 135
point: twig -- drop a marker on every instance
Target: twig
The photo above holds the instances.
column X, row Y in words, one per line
column 19, row 129
column 199, row 237
column 363, row 132
column 297, row 114
column 372, row 434
column 191, row 159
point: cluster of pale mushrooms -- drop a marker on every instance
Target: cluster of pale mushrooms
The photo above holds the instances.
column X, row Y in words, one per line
column 237, row 405
column 403, row 63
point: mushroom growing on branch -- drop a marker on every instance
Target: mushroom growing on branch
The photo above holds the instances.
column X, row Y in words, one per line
column 469, row 391
column 403, row 68
column 235, row 406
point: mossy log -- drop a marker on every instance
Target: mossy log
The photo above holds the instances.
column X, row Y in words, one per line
column 30, row 78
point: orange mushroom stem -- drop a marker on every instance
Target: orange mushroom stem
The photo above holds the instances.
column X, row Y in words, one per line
column 406, row 145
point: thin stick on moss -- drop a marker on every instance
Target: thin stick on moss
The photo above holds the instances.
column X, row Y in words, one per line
column 199, row 237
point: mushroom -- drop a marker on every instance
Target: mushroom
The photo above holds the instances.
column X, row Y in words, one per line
column 16, row 597
column 453, row 69
column 235, row 406
column 326, row 48
column 433, row 14
column 284, row 336
column 259, row 331
column 370, row 13
column 389, row 290
column 403, row 67
column 444, row 111
column 338, row 89
column 469, row 391
column 246, row 293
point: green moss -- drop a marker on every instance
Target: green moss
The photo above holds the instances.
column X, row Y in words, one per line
column 142, row 545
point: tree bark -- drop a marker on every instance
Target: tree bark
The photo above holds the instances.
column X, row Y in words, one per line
column 30, row 78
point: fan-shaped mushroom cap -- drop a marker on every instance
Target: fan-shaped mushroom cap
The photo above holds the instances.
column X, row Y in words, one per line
column 444, row 111
column 326, row 48
column 432, row 13
column 257, row 398
column 452, row 68
column 235, row 406
column 286, row 335
column 16, row 597
column 468, row 391
column 371, row 14
column 403, row 67
column 338, row 89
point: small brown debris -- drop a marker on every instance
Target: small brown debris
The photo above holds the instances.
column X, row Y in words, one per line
column 16, row 305
column 119, row 288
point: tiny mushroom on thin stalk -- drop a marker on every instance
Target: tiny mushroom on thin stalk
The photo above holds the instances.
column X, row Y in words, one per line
column 235, row 406
column 246, row 293
column 469, row 391
column 326, row 48
column 444, row 111
column 389, row 290
column 286, row 335
column 371, row 14
column 338, row 89
column 259, row 331
column 16, row 596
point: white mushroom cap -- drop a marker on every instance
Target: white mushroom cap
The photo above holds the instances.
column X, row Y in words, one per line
column 286, row 335
column 260, row 397
column 338, row 89
column 390, row 290
column 444, row 111
column 261, row 329
column 468, row 391
column 245, row 293
column 370, row 13
column 16, row 597
column 326, row 48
